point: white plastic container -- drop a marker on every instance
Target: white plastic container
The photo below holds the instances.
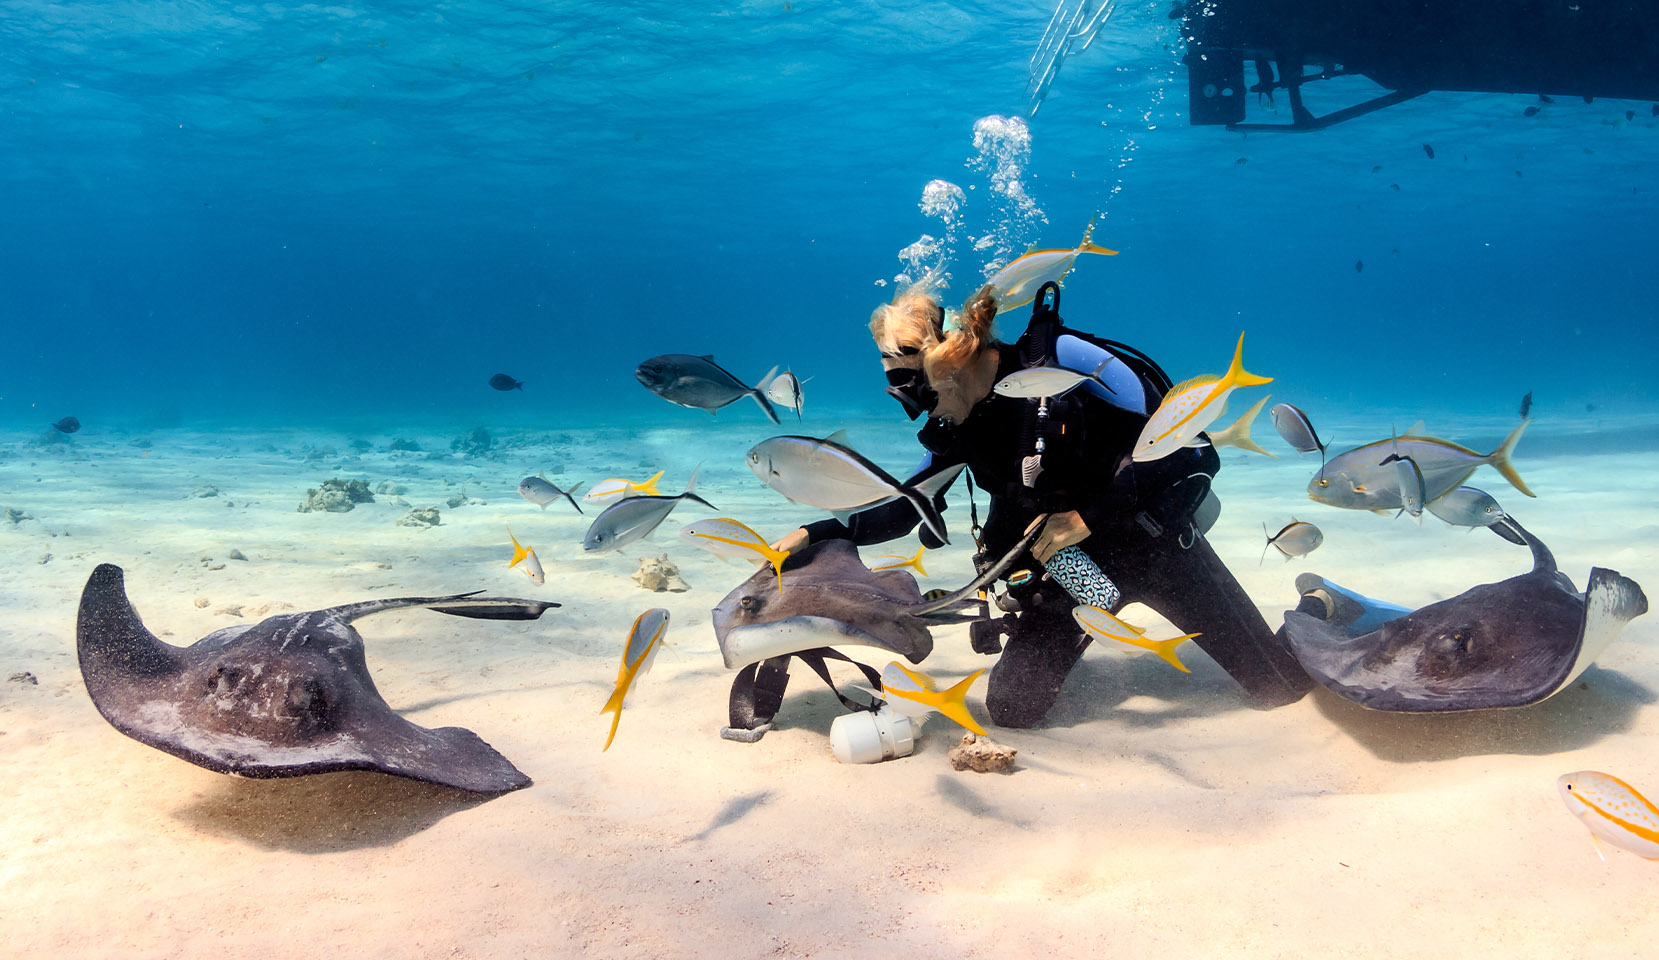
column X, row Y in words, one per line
column 866, row 737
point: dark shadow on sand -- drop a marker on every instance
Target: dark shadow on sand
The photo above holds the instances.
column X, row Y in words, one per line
column 1598, row 704
column 325, row 813
column 1099, row 685
column 953, row 791
column 735, row 809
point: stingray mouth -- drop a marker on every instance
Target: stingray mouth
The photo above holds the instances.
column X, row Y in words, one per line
column 745, row 645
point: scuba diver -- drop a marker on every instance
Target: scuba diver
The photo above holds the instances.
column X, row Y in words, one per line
column 1067, row 456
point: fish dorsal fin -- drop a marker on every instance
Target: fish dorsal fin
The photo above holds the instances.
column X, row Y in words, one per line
column 839, row 437
column 707, row 356
column 1418, row 429
column 1199, row 380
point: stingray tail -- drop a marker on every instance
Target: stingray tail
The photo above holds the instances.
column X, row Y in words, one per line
column 491, row 608
column 1499, row 458
column 946, row 603
column 759, row 393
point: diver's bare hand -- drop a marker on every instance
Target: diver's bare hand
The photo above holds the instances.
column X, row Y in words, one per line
column 1061, row 531
column 793, row 541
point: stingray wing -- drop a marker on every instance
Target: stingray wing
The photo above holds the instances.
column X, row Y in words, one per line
column 1505, row 644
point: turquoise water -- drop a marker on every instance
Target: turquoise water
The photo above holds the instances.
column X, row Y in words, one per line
column 219, row 213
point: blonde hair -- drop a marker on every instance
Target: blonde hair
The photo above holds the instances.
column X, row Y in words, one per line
column 915, row 319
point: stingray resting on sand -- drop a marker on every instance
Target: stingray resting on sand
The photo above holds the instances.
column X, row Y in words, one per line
column 285, row 697
column 827, row 596
column 1506, row 644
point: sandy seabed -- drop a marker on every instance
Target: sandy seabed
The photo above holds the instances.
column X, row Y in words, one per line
column 1154, row 814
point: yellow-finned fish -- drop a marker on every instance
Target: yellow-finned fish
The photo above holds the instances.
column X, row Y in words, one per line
column 915, row 561
column 914, row 694
column 1101, row 624
column 616, row 488
column 725, row 537
column 644, row 640
column 1191, row 406
column 1613, row 811
column 527, row 556
column 1238, row 435
column 1017, row 284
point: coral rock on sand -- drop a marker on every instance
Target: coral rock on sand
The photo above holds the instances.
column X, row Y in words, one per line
column 982, row 755
column 420, row 518
column 336, row 496
column 659, row 574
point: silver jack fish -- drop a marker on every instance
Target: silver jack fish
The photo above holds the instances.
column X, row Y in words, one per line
column 541, row 493
column 632, row 519
column 1360, row 479
column 830, row 476
column 701, row 383
column 1037, row 382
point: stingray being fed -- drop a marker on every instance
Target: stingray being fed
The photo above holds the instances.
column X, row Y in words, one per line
column 285, row 697
column 1506, row 644
column 827, row 596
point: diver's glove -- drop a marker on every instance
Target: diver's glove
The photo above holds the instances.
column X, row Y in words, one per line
column 1075, row 570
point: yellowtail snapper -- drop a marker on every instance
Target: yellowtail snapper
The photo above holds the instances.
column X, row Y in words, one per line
column 645, row 638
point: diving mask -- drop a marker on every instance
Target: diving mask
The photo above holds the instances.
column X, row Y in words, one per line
column 907, row 383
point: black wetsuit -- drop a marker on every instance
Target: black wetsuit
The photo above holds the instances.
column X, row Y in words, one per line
column 1139, row 518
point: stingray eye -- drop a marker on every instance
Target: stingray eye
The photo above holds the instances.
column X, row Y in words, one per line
column 748, row 603
column 225, row 681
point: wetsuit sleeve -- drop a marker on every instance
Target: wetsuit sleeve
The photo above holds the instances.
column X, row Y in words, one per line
column 889, row 521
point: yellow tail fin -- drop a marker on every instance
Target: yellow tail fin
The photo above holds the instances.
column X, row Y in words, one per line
column 1165, row 649
column 776, row 557
column 649, row 487
column 1499, row 458
column 1094, row 248
column 953, row 704
column 519, row 553
column 614, row 706
column 615, row 722
column 1236, row 374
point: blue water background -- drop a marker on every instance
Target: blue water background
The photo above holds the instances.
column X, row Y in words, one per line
column 218, row 214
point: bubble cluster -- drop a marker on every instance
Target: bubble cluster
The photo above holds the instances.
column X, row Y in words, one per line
column 1002, row 148
column 928, row 258
column 1009, row 215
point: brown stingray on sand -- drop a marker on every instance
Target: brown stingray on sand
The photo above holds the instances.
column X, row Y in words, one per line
column 285, row 697
column 1505, row 644
column 829, row 597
